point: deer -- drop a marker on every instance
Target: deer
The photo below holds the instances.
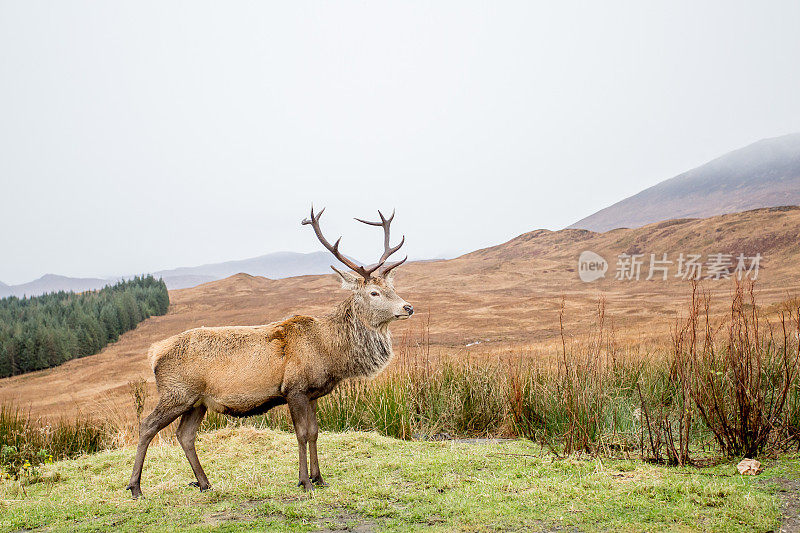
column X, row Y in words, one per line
column 243, row 371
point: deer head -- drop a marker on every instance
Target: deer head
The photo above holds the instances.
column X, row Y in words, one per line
column 374, row 297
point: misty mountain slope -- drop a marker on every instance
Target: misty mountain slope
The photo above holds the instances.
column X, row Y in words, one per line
column 763, row 174
column 5, row 290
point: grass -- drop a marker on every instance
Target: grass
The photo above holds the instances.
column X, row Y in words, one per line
column 599, row 423
column 596, row 398
column 389, row 484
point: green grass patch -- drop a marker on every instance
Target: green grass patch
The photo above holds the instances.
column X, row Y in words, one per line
column 388, row 484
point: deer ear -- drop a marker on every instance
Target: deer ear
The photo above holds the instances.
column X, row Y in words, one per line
column 349, row 281
column 389, row 278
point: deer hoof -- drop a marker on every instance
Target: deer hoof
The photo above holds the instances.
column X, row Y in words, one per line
column 318, row 481
column 202, row 488
column 307, row 486
column 136, row 492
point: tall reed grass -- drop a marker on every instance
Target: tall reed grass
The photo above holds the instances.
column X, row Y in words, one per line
column 25, row 444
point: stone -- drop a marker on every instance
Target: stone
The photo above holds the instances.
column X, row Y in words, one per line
column 749, row 467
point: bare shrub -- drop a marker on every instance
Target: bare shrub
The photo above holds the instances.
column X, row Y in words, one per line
column 741, row 387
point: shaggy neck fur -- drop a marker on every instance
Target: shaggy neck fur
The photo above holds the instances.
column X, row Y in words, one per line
column 367, row 349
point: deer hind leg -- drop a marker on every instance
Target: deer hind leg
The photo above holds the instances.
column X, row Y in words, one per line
column 313, row 431
column 186, row 433
column 165, row 412
column 300, row 409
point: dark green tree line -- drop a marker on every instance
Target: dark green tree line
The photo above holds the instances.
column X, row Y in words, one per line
column 48, row 330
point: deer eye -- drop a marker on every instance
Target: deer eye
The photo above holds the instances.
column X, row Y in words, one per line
column 374, row 293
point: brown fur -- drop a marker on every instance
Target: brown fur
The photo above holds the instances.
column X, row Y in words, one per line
column 246, row 370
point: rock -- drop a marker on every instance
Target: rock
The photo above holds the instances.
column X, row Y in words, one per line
column 749, row 467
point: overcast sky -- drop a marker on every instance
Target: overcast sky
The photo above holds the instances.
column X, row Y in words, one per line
column 144, row 135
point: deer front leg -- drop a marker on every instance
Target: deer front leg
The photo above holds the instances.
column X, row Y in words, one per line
column 165, row 412
column 313, row 430
column 300, row 409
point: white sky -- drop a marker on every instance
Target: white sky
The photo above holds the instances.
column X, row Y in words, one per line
column 145, row 135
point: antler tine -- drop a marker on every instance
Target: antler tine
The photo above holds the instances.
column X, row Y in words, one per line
column 334, row 249
column 390, row 266
column 388, row 250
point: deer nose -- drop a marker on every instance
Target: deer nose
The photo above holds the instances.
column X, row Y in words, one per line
column 409, row 309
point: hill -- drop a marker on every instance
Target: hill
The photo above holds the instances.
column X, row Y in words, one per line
column 500, row 301
column 763, row 174
column 45, row 331
column 275, row 265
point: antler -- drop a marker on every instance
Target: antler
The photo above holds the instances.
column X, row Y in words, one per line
column 387, row 248
column 366, row 273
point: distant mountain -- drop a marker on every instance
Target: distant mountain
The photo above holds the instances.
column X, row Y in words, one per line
column 55, row 283
column 763, row 174
column 275, row 265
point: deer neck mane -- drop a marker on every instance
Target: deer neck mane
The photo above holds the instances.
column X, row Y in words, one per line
column 365, row 350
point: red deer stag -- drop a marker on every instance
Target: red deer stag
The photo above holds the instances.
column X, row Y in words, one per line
column 247, row 370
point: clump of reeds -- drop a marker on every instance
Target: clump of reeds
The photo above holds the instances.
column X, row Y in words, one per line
column 586, row 403
column 25, row 444
column 666, row 398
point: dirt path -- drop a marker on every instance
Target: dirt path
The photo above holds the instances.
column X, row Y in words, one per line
column 790, row 497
